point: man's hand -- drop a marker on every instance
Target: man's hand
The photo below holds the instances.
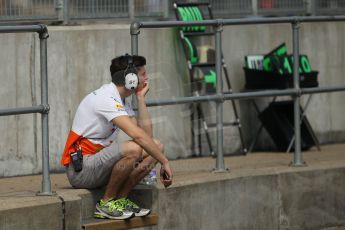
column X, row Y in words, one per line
column 142, row 90
column 166, row 175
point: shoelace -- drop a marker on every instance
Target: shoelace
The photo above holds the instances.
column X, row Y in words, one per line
column 131, row 203
column 114, row 205
column 125, row 202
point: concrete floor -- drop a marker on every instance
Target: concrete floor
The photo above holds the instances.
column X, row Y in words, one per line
column 195, row 180
column 199, row 170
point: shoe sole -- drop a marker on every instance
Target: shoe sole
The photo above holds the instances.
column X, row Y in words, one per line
column 143, row 214
column 102, row 215
column 99, row 215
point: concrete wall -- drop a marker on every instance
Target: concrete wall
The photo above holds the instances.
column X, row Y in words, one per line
column 31, row 213
column 323, row 43
column 287, row 200
column 78, row 62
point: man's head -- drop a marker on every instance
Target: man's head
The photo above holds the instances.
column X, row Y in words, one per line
column 123, row 65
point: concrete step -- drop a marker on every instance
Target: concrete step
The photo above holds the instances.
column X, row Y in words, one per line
column 67, row 209
column 141, row 194
column 96, row 224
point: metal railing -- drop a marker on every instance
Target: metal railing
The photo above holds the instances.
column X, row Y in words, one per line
column 219, row 97
column 28, row 10
column 86, row 9
column 329, row 7
column 44, row 107
column 67, row 10
column 281, row 7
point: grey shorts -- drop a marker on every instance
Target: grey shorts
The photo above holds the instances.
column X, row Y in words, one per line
column 96, row 168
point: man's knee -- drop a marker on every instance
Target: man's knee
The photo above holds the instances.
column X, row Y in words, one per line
column 131, row 149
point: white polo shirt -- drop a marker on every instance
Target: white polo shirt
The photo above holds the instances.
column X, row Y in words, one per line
column 92, row 127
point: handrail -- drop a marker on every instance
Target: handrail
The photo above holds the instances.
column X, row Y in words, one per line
column 239, row 21
column 218, row 24
column 24, row 110
column 244, row 95
column 24, row 28
column 44, row 107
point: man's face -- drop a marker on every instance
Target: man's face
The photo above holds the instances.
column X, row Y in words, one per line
column 142, row 75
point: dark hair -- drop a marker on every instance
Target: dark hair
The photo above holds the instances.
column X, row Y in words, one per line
column 119, row 65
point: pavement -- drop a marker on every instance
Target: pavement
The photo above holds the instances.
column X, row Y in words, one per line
column 190, row 170
column 18, row 194
column 194, row 170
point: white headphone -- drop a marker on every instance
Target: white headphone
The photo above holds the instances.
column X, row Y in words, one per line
column 130, row 74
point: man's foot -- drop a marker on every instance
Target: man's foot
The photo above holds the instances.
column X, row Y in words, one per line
column 133, row 207
column 112, row 209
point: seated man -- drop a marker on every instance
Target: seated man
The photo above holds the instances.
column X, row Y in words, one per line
column 93, row 156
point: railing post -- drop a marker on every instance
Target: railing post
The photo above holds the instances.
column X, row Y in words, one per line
column 297, row 160
column 310, row 7
column 135, row 31
column 165, row 5
column 220, row 166
column 62, row 11
column 66, row 12
column 255, row 7
column 46, row 184
column 59, row 9
column 131, row 10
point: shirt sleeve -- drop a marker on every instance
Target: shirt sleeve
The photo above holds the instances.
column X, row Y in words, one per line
column 110, row 108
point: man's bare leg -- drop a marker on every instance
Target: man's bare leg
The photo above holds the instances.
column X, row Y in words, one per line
column 131, row 154
column 137, row 175
column 142, row 169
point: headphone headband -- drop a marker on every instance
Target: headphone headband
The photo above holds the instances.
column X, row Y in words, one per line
column 129, row 59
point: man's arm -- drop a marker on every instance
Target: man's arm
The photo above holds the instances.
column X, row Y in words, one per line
column 140, row 137
column 144, row 119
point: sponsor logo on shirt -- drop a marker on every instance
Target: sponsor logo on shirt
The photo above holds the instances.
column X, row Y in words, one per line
column 119, row 106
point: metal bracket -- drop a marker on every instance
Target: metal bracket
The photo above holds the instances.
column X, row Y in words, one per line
column 296, row 24
column 298, row 92
column 45, row 109
column 44, row 32
column 220, row 98
column 135, row 28
column 219, row 25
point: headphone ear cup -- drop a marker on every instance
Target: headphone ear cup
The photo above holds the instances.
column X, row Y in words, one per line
column 131, row 81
